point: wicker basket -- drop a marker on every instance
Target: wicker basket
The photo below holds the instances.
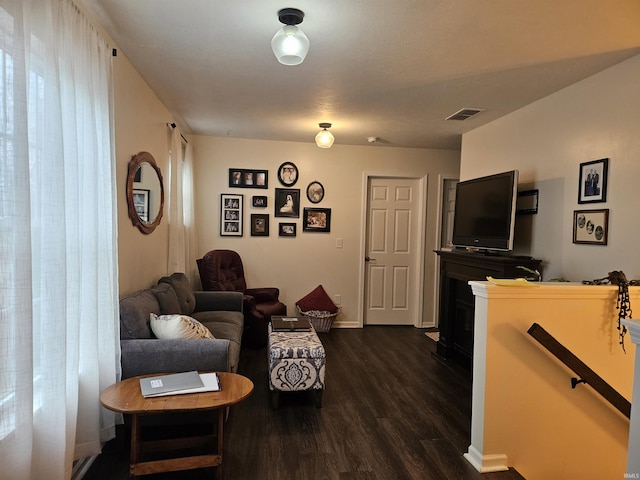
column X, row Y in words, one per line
column 321, row 321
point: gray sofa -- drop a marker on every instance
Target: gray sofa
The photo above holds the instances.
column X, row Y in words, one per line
column 220, row 312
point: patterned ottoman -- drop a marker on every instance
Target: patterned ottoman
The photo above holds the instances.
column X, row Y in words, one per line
column 296, row 363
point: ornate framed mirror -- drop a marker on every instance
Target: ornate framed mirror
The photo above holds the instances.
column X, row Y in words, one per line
column 145, row 192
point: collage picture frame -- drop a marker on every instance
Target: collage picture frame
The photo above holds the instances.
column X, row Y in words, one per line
column 231, row 215
column 248, row 178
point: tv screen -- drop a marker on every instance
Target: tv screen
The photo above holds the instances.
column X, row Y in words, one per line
column 484, row 215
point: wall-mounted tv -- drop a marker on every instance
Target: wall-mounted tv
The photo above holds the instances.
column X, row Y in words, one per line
column 485, row 211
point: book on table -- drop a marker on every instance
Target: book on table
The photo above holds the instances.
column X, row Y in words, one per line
column 290, row 324
column 179, row 384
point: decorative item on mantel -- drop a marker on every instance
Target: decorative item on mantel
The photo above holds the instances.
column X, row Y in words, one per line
column 623, row 305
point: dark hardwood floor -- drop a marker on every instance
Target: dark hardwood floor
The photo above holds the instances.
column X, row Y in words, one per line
column 390, row 410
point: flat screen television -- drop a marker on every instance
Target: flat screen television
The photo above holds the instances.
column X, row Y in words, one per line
column 485, row 209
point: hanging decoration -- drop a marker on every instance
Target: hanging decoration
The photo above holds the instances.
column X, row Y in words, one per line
column 623, row 304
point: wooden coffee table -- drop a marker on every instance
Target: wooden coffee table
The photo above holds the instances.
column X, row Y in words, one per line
column 125, row 397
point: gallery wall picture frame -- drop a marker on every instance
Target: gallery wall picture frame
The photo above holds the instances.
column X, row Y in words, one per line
column 592, row 187
column 288, row 174
column 287, row 202
column 259, row 224
column 259, row 201
column 591, row 226
column 141, row 202
column 287, row 229
column 315, row 192
column 316, row 219
column 231, row 215
column 248, row 178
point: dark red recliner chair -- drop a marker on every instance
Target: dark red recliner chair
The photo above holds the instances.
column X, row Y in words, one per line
column 222, row 270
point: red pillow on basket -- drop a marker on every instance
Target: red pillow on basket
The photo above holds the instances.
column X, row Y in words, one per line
column 317, row 300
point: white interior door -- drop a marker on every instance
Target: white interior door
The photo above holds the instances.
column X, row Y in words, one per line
column 392, row 252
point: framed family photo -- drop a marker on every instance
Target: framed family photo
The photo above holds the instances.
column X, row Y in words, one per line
column 244, row 178
column 259, row 225
column 288, row 174
column 316, row 220
column 259, row 201
column 287, row 230
column 287, row 202
column 315, row 192
column 231, row 215
column 593, row 181
column 591, row 226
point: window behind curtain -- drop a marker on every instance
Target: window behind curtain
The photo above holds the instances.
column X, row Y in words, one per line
column 58, row 258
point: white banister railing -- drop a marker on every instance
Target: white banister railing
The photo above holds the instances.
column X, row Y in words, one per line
column 633, row 458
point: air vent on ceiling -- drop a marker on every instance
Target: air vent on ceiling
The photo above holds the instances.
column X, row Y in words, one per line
column 464, row 113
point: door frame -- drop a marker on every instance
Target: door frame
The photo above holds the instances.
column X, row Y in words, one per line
column 442, row 178
column 420, row 232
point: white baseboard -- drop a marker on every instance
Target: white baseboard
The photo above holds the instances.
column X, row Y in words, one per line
column 486, row 463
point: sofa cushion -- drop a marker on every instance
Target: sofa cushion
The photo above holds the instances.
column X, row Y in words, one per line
column 186, row 298
column 317, row 300
column 171, row 327
column 167, row 298
column 232, row 332
column 134, row 314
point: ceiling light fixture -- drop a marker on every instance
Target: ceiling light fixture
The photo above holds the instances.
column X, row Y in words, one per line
column 324, row 138
column 290, row 45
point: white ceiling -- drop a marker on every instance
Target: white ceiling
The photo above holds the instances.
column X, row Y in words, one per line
column 393, row 69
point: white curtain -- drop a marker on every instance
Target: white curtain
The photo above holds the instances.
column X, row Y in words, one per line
column 181, row 209
column 58, row 289
column 189, row 216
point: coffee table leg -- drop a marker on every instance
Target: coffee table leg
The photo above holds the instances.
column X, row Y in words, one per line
column 135, row 444
column 221, row 415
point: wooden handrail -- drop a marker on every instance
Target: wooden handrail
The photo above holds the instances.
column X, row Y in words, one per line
column 581, row 369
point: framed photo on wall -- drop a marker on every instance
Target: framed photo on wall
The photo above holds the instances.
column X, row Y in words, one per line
column 287, row 202
column 245, row 178
column 591, row 226
column 259, row 225
column 288, row 174
column 231, row 214
column 315, row 192
column 259, row 201
column 593, row 181
column 287, row 230
column 316, row 220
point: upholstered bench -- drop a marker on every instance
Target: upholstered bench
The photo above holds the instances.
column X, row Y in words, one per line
column 296, row 363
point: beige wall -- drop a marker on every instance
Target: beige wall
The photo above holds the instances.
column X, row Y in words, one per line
column 140, row 125
column 546, row 141
column 297, row 265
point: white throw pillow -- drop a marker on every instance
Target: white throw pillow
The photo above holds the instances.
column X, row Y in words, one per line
column 170, row 327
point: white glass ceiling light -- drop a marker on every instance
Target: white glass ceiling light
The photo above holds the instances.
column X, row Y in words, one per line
column 290, row 45
column 324, row 139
